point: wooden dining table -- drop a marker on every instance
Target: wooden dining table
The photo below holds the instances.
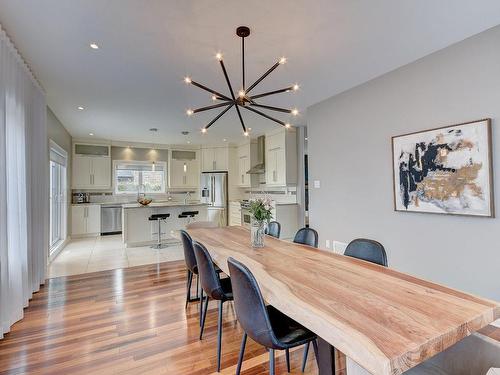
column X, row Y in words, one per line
column 384, row 320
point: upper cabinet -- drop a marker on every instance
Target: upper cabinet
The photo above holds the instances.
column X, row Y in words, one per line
column 281, row 157
column 247, row 153
column 214, row 159
column 91, row 166
column 184, row 169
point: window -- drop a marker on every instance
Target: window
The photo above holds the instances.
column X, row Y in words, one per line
column 132, row 175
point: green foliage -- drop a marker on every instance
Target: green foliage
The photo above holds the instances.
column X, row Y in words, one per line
column 261, row 209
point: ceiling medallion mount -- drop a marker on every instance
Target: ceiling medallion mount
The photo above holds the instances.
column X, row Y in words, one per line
column 242, row 98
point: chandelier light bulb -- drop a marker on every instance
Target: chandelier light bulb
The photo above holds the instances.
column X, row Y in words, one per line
column 189, row 112
column 218, row 56
column 295, row 111
column 241, row 94
column 282, row 60
column 204, row 130
column 245, row 134
column 214, row 97
column 295, row 87
column 287, row 125
column 187, row 79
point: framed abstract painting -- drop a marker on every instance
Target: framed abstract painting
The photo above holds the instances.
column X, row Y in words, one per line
column 445, row 170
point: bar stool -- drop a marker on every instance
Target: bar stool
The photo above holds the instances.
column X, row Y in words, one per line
column 189, row 215
column 159, row 218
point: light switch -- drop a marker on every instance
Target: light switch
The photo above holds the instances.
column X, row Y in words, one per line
column 317, row 184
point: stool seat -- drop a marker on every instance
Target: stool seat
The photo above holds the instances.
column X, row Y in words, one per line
column 158, row 217
column 190, row 213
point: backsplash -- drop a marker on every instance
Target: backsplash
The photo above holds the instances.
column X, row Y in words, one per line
column 109, row 197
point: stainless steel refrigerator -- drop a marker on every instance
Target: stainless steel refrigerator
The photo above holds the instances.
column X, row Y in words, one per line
column 214, row 193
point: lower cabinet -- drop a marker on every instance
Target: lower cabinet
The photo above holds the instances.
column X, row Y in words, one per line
column 85, row 219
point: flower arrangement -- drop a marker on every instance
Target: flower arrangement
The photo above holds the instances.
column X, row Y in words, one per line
column 260, row 209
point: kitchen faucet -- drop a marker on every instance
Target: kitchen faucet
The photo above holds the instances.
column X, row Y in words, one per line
column 187, row 196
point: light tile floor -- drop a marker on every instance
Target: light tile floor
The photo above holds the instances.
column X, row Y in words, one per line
column 105, row 253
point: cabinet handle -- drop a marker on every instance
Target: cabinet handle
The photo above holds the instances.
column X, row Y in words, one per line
column 214, row 165
column 184, row 180
column 274, row 176
column 242, row 177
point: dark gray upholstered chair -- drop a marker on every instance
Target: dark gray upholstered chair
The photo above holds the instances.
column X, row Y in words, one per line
column 214, row 287
column 306, row 236
column 264, row 324
column 273, row 229
column 369, row 250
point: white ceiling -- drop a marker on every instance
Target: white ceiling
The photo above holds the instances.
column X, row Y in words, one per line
column 134, row 81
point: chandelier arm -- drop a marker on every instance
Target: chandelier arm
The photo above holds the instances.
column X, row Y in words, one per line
column 262, row 77
column 209, row 90
column 265, row 115
column 278, row 109
column 211, row 107
column 286, row 89
column 219, row 116
column 232, row 94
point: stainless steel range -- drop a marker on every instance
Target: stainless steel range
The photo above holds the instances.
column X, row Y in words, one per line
column 246, row 217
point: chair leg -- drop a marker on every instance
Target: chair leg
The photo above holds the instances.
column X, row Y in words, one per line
column 203, row 318
column 201, row 304
column 197, row 286
column 287, row 355
column 271, row 362
column 189, row 282
column 219, row 336
column 242, row 353
column 315, row 347
column 304, row 359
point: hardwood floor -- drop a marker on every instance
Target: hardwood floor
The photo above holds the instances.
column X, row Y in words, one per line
column 130, row 321
column 127, row 321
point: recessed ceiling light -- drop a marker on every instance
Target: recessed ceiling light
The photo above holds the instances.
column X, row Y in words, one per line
column 80, row 108
column 91, row 134
column 188, row 141
column 94, row 46
column 224, row 140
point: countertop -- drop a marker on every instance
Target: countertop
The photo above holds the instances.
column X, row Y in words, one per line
column 163, row 204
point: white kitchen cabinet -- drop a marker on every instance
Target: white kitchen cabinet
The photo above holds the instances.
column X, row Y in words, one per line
column 281, row 157
column 184, row 169
column 234, row 213
column 85, row 219
column 215, row 159
column 247, row 158
column 91, row 166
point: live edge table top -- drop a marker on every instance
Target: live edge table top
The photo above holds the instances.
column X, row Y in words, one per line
column 386, row 321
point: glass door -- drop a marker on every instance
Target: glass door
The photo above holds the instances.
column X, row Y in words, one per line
column 57, row 204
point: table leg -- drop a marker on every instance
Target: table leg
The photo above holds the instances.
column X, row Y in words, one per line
column 326, row 358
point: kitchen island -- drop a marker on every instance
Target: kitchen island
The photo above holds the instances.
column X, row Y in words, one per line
column 137, row 230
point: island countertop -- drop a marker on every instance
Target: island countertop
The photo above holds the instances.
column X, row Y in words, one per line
column 163, row 204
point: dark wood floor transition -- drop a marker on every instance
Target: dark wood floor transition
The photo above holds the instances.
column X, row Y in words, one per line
column 130, row 321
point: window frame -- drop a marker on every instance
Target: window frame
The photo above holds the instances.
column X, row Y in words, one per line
column 163, row 164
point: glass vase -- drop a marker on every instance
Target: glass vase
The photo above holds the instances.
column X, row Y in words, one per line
column 257, row 233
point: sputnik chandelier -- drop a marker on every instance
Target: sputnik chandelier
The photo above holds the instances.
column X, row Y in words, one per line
column 242, row 99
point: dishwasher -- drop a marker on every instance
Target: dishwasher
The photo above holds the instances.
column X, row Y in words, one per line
column 111, row 219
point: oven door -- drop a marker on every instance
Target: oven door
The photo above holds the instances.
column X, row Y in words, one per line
column 246, row 218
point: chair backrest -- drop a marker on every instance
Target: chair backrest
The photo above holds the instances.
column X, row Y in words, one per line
column 249, row 305
column 369, row 250
column 273, row 229
column 189, row 257
column 306, row 236
column 209, row 279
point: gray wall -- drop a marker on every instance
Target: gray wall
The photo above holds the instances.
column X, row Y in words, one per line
column 350, row 153
column 58, row 133
column 138, row 154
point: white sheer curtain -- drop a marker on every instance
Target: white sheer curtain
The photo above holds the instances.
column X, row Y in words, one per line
column 23, row 185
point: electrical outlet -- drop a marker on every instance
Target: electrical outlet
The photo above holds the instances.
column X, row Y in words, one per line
column 317, row 184
column 327, row 244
